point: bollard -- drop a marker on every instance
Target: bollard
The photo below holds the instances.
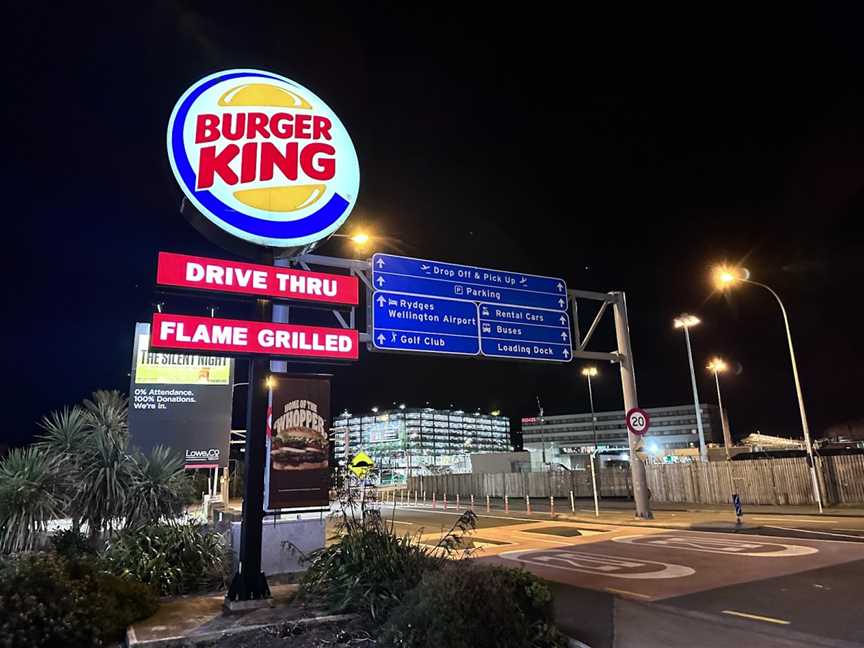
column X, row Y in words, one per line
column 527, row 505
column 551, row 506
column 424, row 496
column 506, row 503
column 402, row 497
column 572, row 502
column 433, row 499
column 445, row 501
column 472, row 501
column 416, row 495
column 457, row 501
column 487, row 504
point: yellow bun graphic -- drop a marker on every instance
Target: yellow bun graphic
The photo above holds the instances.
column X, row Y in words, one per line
column 274, row 199
column 281, row 199
column 263, row 94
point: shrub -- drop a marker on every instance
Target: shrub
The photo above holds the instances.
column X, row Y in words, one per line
column 474, row 606
column 71, row 545
column 173, row 558
column 47, row 601
column 369, row 568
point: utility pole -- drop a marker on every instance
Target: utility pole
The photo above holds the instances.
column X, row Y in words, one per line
column 628, row 385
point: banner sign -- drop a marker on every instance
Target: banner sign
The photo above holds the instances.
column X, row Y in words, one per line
column 218, row 275
column 221, row 336
column 297, row 473
column 180, row 401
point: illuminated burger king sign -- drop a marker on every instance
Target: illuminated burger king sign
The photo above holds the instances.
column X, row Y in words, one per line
column 263, row 158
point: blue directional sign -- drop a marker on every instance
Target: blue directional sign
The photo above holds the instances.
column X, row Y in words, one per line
column 532, row 333
column 403, row 322
column 423, row 277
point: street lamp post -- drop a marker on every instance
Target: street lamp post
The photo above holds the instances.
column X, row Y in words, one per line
column 686, row 321
column 726, row 278
column 717, row 366
column 588, row 372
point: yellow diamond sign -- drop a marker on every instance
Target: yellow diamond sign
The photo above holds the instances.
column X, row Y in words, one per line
column 361, row 464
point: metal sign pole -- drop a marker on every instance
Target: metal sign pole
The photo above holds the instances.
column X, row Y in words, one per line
column 249, row 582
column 628, row 385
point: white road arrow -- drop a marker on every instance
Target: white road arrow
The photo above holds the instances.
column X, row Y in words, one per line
column 381, row 339
column 380, row 281
column 380, row 262
column 381, row 301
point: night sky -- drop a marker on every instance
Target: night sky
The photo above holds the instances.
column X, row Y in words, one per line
column 621, row 151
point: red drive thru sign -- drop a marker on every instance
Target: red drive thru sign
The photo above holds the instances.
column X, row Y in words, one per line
column 215, row 335
column 217, row 275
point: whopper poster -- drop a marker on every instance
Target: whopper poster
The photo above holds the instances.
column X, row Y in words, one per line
column 297, row 473
column 181, row 401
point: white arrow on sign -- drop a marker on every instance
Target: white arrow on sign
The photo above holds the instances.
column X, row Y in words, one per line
column 563, row 319
column 381, row 301
column 561, row 303
column 380, row 281
column 566, row 353
column 380, row 262
column 381, row 338
column 563, row 335
column 560, row 287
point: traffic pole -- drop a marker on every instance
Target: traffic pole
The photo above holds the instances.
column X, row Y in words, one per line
column 551, row 506
column 628, row 386
column 506, row 503
column 472, row 501
column 487, row 504
column 572, row 502
column 527, row 505
column 594, row 486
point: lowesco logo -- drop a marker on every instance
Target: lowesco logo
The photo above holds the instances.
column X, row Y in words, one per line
column 263, row 158
column 212, row 454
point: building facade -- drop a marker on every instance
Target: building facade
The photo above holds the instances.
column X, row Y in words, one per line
column 568, row 439
column 419, row 441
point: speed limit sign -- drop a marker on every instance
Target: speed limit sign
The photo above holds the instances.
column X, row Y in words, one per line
column 638, row 421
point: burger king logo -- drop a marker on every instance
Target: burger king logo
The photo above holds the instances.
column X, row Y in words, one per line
column 263, row 158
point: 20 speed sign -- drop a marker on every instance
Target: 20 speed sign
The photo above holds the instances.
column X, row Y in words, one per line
column 638, row 421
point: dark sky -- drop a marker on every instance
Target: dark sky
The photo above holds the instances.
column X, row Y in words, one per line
column 622, row 151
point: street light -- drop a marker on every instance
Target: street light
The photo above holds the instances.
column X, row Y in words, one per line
column 726, row 277
column 359, row 239
column 590, row 372
column 718, row 366
column 686, row 321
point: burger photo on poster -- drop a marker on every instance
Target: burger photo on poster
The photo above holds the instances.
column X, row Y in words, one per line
column 298, row 447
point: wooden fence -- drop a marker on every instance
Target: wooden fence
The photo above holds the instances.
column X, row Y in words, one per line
column 764, row 481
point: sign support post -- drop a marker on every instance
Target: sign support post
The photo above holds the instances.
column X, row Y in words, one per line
column 628, row 385
column 249, row 582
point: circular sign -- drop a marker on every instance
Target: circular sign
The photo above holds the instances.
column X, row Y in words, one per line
column 638, row 421
column 263, row 158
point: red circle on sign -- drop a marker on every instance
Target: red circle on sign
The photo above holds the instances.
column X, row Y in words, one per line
column 638, row 421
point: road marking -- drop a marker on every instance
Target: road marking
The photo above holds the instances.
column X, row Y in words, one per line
column 791, row 519
column 484, row 515
column 757, row 617
column 842, row 529
column 400, row 522
column 839, row 535
column 721, row 545
column 612, row 590
column 600, row 564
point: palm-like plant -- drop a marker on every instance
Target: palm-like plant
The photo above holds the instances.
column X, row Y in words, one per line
column 30, row 496
column 65, row 439
column 108, row 414
column 105, row 476
column 159, row 487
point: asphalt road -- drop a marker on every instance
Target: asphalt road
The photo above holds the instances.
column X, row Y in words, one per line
column 782, row 584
